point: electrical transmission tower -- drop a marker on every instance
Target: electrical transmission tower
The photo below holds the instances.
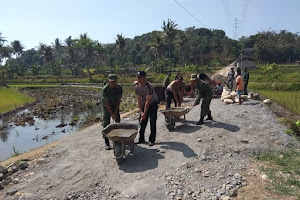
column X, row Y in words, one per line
column 236, row 23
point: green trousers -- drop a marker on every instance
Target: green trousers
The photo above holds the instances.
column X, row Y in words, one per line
column 205, row 110
column 106, row 121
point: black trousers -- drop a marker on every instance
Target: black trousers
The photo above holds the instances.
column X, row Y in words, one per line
column 169, row 96
column 152, row 114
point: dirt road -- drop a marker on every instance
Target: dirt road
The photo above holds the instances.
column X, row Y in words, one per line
column 191, row 162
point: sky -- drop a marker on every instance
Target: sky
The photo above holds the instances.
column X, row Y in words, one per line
column 41, row 21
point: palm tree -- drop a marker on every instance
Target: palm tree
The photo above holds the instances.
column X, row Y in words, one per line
column 17, row 47
column 57, row 46
column 69, row 41
column 41, row 47
column 182, row 41
column 71, row 55
column 2, row 40
column 5, row 53
column 121, row 43
column 84, row 36
column 169, row 29
column 158, row 46
column 47, row 54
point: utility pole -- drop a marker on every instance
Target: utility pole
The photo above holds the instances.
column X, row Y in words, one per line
column 236, row 23
column 241, row 61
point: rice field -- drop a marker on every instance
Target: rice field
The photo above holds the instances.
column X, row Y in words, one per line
column 11, row 98
column 288, row 99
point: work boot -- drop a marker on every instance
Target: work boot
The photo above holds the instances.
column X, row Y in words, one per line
column 201, row 121
column 151, row 144
column 141, row 142
column 107, row 145
column 209, row 117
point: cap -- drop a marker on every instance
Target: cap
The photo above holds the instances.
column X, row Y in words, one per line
column 202, row 76
column 141, row 74
column 112, row 77
column 193, row 77
column 180, row 78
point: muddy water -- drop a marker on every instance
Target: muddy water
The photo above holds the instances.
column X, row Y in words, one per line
column 48, row 121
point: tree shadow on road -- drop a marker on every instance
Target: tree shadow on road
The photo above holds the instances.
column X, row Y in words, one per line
column 185, row 149
column 228, row 127
column 142, row 160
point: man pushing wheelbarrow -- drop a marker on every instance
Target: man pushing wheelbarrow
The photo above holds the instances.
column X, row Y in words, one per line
column 205, row 93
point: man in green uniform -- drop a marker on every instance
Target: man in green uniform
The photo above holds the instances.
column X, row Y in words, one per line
column 111, row 98
column 167, row 80
column 204, row 91
column 246, row 80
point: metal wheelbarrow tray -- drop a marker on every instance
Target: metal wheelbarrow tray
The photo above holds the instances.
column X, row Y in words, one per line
column 173, row 115
column 121, row 134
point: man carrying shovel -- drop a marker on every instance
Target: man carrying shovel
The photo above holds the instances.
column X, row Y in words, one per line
column 205, row 92
column 111, row 98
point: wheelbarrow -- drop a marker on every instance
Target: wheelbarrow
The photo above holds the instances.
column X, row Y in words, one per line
column 121, row 135
column 173, row 115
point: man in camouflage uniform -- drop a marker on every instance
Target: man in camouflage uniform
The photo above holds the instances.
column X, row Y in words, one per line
column 166, row 81
column 246, row 80
column 111, row 98
column 230, row 78
column 204, row 91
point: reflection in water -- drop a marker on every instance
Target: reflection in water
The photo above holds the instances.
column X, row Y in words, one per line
column 25, row 138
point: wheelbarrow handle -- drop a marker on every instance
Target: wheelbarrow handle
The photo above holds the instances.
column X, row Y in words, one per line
column 191, row 108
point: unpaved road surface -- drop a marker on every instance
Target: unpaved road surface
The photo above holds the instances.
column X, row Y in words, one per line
column 191, row 162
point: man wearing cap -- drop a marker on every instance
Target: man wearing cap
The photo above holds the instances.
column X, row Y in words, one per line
column 147, row 102
column 230, row 78
column 175, row 91
column 190, row 88
column 204, row 91
column 111, row 98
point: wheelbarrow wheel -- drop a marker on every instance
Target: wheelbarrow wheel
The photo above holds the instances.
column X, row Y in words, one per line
column 170, row 126
column 119, row 160
column 118, row 151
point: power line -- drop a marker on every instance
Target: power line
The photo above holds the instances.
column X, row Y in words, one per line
column 236, row 23
column 228, row 15
column 190, row 13
column 244, row 14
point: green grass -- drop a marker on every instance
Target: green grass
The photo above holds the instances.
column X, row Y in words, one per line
column 99, row 78
column 283, row 169
column 11, row 98
column 15, row 154
column 281, row 84
column 288, row 99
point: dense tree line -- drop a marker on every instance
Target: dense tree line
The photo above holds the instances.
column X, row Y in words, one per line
column 158, row 50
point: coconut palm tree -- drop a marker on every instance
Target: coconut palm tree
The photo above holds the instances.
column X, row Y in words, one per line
column 84, row 36
column 17, row 47
column 169, row 28
column 5, row 53
column 46, row 53
column 158, row 46
column 2, row 40
column 71, row 55
column 121, row 43
column 181, row 42
column 57, row 46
